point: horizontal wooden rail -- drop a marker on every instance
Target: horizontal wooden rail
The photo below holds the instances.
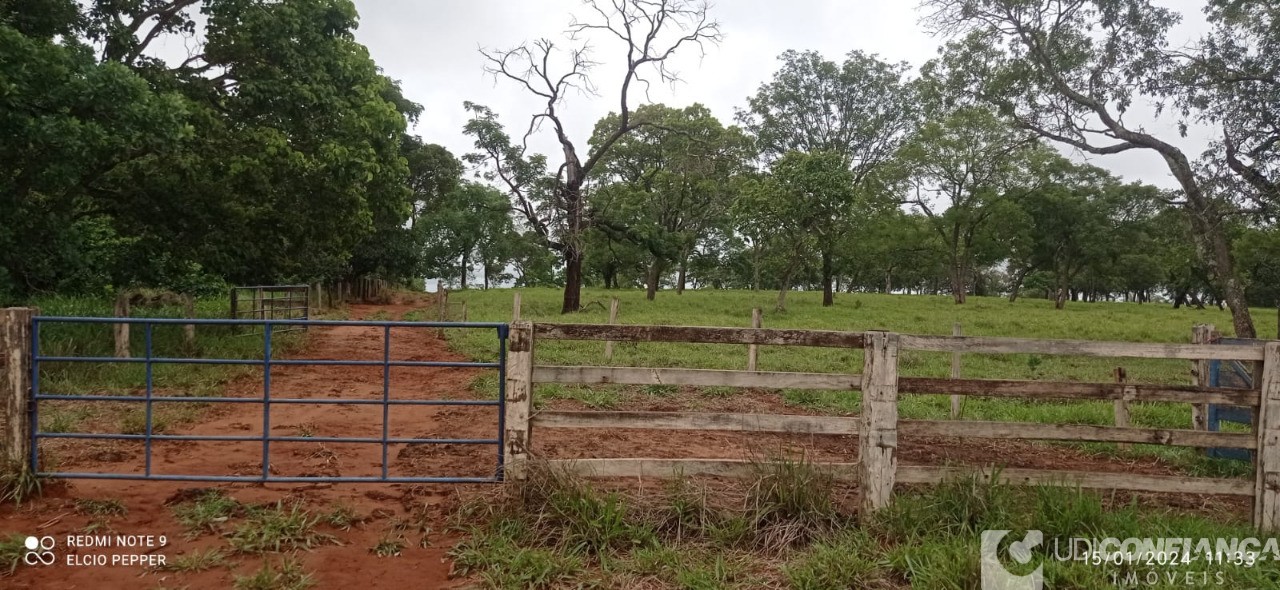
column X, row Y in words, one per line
column 1070, row 390
column 794, row 424
column 797, row 424
column 698, row 334
column 845, row 382
column 979, row 344
column 926, row 474
column 1076, row 433
column 696, row 377
column 680, row 467
column 909, row 474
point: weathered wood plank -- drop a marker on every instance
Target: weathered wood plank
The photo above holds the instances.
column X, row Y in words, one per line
column 1071, row 390
column 517, row 434
column 613, row 319
column 695, row 377
column 1073, row 433
column 878, row 431
column 1201, row 334
column 753, row 350
column 833, row 425
column 927, row 474
column 664, row 468
column 957, row 402
column 980, row 344
column 1266, row 508
column 793, row 424
column 699, row 334
column 1121, row 406
column 15, row 385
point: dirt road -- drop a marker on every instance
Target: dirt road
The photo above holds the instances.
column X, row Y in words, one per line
column 386, row 510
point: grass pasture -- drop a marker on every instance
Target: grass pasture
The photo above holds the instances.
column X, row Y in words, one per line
column 109, row 378
column 982, row 316
column 559, row 532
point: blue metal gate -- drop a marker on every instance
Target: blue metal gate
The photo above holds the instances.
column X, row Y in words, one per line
column 267, row 401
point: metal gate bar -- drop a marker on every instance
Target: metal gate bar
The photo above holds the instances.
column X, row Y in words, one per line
column 149, row 399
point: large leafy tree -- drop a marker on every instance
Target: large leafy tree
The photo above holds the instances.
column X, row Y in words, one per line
column 470, row 225
column 667, row 185
column 860, row 111
column 789, row 210
column 273, row 152
column 966, row 167
column 71, row 125
column 648, row 33
column 1070, row 70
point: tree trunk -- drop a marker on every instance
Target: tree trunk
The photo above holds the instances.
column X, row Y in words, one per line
column 828, row 298
column 683, row 274
column 957, row 282
column 888, row 280
column 462, row 282
column 572, row 279
column 651, row 280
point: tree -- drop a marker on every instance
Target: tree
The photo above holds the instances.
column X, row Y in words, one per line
column 1231, row 80
column 468, row 225
column 860, row 111
column 261, row 157
column 667, row 184
column 802, row 193
column 1069, row 70
column 650, row 31
column 1072, row 223
column 965, row 167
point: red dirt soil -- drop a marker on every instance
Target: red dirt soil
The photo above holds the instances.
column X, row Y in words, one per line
column 383, row 506
column 350, row 564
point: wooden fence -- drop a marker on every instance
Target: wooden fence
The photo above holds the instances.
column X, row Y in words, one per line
column 876, row 469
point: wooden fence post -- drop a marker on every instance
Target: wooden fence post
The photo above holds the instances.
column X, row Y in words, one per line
column 753, row 351
column 878, row 434
column 121, row 329
column 15, row 385
column 1122, row 404
column 464, row 310
column 442, row 302
column 517, row 434
column 957, row 402
column 613, row 319
column 515, row 308
column 1266, row 498
column 235, row 302
column 1201, row 334
column 189, row 330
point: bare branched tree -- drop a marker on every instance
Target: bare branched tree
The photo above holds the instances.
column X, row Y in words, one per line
column 651, row 32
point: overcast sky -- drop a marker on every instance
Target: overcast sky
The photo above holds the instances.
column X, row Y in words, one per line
column 432, row 48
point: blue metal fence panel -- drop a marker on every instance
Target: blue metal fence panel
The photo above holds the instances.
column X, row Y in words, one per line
column 1232, row 374
column 149, row 398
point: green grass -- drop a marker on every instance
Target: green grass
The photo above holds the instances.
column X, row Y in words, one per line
column 101, row 508
column 11, row 551
column 981, row 316
column 289, row 575
column 171, row 379
column 198, row 561
column 206, row 512
column 531, row 535
column 276, row 528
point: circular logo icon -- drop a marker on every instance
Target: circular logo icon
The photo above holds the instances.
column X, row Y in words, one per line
column 39, row 551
